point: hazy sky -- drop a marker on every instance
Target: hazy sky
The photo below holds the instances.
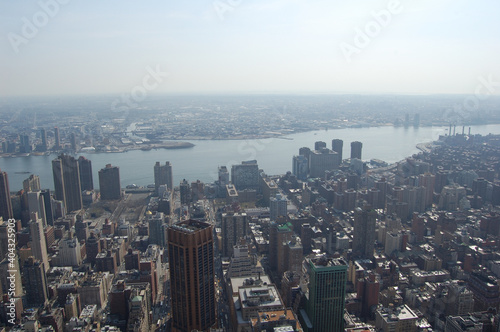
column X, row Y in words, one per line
column 256, row 46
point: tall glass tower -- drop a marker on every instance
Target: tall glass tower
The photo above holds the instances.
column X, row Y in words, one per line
column 327, row 283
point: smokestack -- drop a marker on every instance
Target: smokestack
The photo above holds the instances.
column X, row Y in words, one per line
column 469, row 131
column 463, row 130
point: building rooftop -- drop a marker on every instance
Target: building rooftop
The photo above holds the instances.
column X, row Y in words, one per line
column 190, row 226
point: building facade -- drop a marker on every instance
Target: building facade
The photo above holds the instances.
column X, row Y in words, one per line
column 192, row 276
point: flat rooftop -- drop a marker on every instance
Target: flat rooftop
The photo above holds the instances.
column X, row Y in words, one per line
column 190, row 226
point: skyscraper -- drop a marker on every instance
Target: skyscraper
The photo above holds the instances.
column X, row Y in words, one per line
column 35, row 282
column 47, row 200
column 322, row 160
column 67, row 182
column 319, row 145
column 86, row 179
column 327, row 283
column 163, row 175
column 356, row 148
column 185, row 192
column 32, row 183
column 245, row 175
column 192, row 275
column 57, row 139
column 38, row 244
column 157, row 226
column 73, row 142
column 363, row 243
column 278, row 207
column 24, row 144
column 278, row 235
column 300, row 167
column 43, row 136
column 36, row 205
column 337, row 146
column 5, row 202
column 234, row 227
column 223, row 176
column 109, row 182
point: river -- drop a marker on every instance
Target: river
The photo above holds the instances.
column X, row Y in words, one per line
column 274, row 155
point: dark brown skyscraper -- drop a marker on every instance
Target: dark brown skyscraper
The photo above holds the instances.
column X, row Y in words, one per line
column 86, row 178
column 190, row 249
column 67, row 182
column 109, row 182
column 5, row 202
column 356, row 149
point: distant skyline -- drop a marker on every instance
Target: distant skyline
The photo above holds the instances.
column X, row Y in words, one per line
column 64, row 47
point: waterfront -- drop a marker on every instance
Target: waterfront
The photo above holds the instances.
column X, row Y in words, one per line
column 274, row 155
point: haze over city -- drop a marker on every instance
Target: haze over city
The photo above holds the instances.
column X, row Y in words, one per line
column 250, row 165
column 223, row 46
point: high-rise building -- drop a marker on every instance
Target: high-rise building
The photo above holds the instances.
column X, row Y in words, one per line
column 305, row 151
column 93, row 246
column 245, row 175
column 185, row 192
column 300, row 167
column 293, row 256
column 67, row 182
column 35, row 282
column 47, row 201
column 428, row 180
column 163, row 175
column 279, row 235
column 73, row 141
column 43, row 135
column 278, row 207
column 36, row 204
column 356, row 148
column 321, row 161
column 268, row 187
column 234, row 227
column 86, row 179
column 5, row 202
column 368, row 291
column 337, row 146
column 109, row 182
column 25, row 144
column 319, row 145
column 38, row 244
column 327, row 283
column 363, row 243
column 69, row 252
column 157, row 228
column 57, row 139
column 223, row 176
column 32, row 183
column 192, row 276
